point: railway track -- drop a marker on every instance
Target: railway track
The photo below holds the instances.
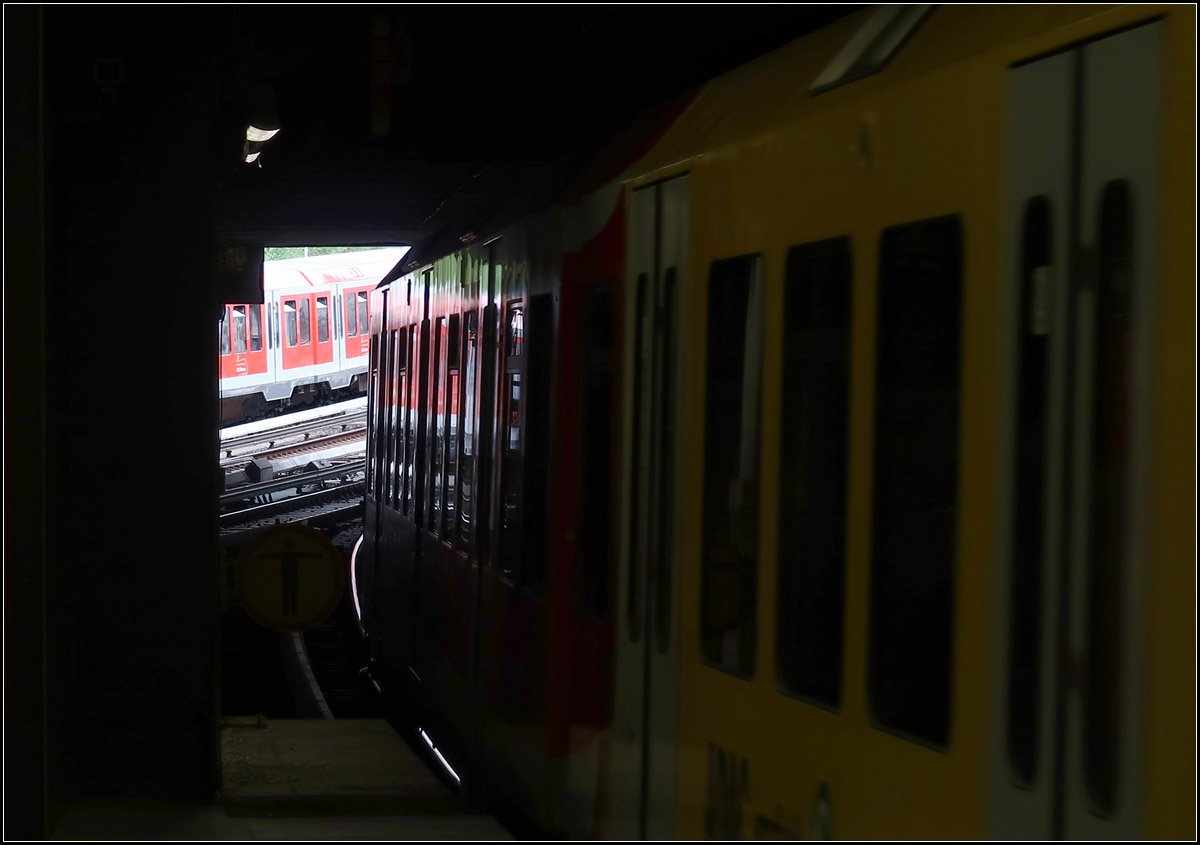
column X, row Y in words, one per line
column 251, row 440
column 307, row 467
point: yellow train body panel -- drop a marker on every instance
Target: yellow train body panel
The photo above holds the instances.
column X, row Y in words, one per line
column 771, row 167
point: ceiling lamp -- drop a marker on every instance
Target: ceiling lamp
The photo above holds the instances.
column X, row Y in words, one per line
column 262, row 123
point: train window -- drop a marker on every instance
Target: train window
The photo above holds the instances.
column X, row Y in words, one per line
column 812, row 477
column 322, row 319
column 511, row 464
column 223, row 331
column 289, row 320
column 389, row 446
column 437, row 425
column 305, row 323
column 1028, row 526
column 915, row 477
column 400, row 410
column 372, row 415
column 239, row 328
column 489, row 417
column 596, row 495
column 410, row 437
column 383, row 419
column 516, row 330
column 510, row 477
column 466, row 462
column 255, row 328
column 363, row 325
column 351, row 317
column 636, row 483
column 1106, row 581
column 449, row 528
column 731, row 458
column 664, row 552
column 513, row 424
column 536, row 452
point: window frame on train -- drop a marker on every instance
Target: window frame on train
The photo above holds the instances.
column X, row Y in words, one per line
column 905, row 698
column 720, row 522
column 813, row 485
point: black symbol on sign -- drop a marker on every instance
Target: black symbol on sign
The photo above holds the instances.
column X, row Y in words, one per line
column 289, row 577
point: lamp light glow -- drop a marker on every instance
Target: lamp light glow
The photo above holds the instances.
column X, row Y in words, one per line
column 253, row 133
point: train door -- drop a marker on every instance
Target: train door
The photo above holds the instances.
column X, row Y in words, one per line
column 354, row 324
column 367, row 582
column 296, row 330
column 322, row 328
column 644, row 756
column 408, row 499
column 243, row 347
column 1083, row 243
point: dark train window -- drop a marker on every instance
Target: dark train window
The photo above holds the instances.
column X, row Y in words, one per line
column 372, row 415
column 666, row 481
column 395, row 430
column 437, row 422
column 489, row 415
column 510, row 478
column 812, row 479
column 539, row 354
column 305, row 322
column 322, row 319
column 351, row 317
column 363, row 325
column 400, row 347
column 511, row 460
column 598, row 397
column 637, row 514
column 917, row 384
column 733, row 378
column 289, row 319
column 239, row 328
column 410, row 437
column 448, row 527
column 1106, row 576
column 255, row 328
column 223, row 331
column 1029, row 502
column 383, row 397
column 466, row 463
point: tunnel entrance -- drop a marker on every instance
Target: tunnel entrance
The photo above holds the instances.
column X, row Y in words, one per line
column 292, row 428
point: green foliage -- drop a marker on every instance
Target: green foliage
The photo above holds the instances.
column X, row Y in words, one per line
column 278, row 253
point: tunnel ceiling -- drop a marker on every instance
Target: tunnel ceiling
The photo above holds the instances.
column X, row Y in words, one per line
column 487, row 104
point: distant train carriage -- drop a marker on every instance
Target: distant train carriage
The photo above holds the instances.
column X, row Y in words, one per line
column 307, row 340
column 826, row 469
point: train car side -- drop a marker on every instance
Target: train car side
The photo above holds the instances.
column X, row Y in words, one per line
column 823, row 474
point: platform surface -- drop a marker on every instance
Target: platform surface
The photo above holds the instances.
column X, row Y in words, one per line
column 297, row 779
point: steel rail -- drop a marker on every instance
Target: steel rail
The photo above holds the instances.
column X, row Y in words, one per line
column 292, row 503
column 249, row 491
column 295, row 430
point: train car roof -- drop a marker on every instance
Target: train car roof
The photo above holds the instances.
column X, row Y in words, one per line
column 775, row 90
column 366, row 267
column 782, row 88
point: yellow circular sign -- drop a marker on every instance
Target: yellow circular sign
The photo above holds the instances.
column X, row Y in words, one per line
column 290, row 578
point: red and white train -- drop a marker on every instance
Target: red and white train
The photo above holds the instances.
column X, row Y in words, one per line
column 307, row 339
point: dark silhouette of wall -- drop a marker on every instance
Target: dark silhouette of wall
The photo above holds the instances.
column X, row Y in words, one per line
column 122, row 539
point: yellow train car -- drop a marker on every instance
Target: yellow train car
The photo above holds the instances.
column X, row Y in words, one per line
column 829, row 470
column 930, row 560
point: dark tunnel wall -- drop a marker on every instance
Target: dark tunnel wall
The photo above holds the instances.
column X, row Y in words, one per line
column 130, row 409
